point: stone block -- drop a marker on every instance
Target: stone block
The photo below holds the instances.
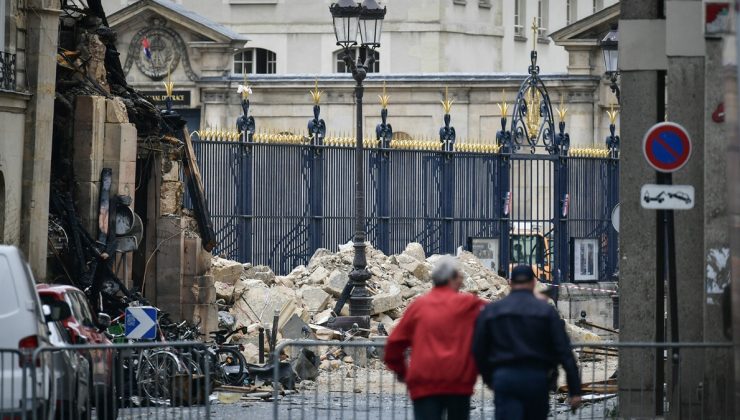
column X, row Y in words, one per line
column 225, row 271
column 193, row 264
column 415, row 250
column 123, row 172
column 260, row 272
column 169, row 237
column 337, row 280
column 319, row 275
column 89, row 129
column 87, row 168
column 386, row 301
column 195, row 293
column 170, row 201
column 314, row 299
column 87, row 203
column 115, row 111
column 224, row 291
column 120, row 142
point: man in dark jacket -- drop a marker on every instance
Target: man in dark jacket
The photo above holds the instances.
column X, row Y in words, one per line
column 517, row 341
column 438, row 328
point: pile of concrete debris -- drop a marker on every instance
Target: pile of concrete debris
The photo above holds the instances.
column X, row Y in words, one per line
column 253, row 296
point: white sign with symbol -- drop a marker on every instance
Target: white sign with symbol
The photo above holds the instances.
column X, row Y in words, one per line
column 667, row 197
column 141, row 322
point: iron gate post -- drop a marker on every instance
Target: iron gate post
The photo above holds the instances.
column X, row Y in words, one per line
column 612, row 144
column 315, row 194
column 382, row 199
column 447, row 137
column 503, row 139
column 245, row 198
column 561, row 270
column 384, row 135
column 246, row 126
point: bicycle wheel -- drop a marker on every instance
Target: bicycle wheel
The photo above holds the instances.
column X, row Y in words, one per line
column 155, row 376
column 231, row 366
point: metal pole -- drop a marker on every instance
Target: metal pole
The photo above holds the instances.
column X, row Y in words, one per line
column 359, row 301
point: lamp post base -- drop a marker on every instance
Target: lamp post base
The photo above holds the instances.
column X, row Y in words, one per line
column 360, row 301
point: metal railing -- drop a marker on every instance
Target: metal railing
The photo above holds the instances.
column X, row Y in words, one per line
column 7, row 71
column 106, row 382
column 275, row 199
column 364, row 389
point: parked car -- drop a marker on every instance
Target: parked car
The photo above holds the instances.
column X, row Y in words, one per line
column 71, row 373
column 24, row 329
column 85, row 328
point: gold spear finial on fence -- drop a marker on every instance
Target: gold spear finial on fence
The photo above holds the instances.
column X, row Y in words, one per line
column 169, row 85
column 244, row 88
column 447, row 103
column 535, row 30
column 562, row 110
column 612, row 113
column 316, row 93
column 384, row 98
column 503, row 106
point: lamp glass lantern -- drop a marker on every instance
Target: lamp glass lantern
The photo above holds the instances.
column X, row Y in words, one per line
column 610, row 49
column 371, row 23
column 346, row 16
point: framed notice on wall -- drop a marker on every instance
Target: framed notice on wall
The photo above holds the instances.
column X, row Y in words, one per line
column 486, row 250
column 584, row 259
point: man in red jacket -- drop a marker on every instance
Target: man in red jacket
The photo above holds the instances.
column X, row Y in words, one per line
column 438, row 328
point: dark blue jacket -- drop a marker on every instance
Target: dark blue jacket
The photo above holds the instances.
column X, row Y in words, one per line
column 521, row 330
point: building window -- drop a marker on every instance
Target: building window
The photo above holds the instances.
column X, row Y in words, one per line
column 598, row 5
column 520, row 17
column 571, row 11
column 255, row 61
column 342, row 66
column 542, row 18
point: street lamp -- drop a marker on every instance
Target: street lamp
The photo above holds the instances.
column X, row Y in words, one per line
column 367, row 18
column 610, row 49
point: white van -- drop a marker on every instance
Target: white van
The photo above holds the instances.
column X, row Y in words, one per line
column 24, row 381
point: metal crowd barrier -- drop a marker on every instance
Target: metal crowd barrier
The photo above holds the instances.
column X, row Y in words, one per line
column 364, row 389
column 106, row 382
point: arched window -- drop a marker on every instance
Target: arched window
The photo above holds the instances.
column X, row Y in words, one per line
column 341, row 67
column 255, row 61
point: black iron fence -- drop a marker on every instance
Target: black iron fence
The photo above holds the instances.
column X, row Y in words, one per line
column 278, row 198
column 7, row 71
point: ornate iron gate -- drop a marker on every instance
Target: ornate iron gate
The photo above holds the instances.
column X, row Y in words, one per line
column 527, row 199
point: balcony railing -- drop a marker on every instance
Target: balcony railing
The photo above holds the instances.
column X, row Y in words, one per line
column 7, row 71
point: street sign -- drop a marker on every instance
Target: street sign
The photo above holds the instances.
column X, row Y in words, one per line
column 141, row 322
column 667, row 197
column 615, row 218
column 666, row 146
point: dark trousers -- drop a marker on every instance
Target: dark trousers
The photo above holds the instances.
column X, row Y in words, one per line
column 457, row 407
column 520, row 393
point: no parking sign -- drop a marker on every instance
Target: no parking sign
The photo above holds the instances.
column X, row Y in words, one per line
column 667, row 147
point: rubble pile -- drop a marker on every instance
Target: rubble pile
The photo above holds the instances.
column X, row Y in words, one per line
column 251, row 294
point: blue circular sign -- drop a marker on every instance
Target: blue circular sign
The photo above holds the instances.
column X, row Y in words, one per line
column 667, row 147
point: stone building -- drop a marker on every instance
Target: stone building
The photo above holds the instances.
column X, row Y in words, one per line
column 28, row 42
column 283, row 46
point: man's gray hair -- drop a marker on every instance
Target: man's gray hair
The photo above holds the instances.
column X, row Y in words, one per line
column 445, row 269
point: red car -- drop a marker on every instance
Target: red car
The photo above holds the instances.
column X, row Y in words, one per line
column 85, row 328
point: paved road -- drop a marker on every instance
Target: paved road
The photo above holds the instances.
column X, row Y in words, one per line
column 342, row 406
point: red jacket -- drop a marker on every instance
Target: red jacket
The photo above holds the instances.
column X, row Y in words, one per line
column 438, row 327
